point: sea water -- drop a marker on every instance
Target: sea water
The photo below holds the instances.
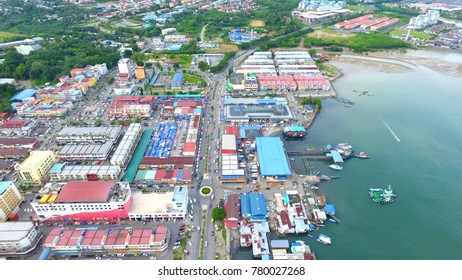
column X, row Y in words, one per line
column 411, row 127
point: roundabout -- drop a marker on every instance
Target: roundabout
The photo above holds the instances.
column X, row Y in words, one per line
column 206, row 191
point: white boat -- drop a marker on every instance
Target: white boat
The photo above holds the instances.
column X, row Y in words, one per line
column 324, row 239
column 336, row 166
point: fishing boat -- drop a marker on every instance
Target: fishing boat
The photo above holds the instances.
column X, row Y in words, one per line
column 309, row 235
column 335, row 177
column 336, row 167
column 324, row 239
column 291, row 158
column 314, row 188
column 382, row 196
column 362, row 155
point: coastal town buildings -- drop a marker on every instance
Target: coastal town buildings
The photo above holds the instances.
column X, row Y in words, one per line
column 84, row 242
column 34, row 170
column 83, row 201
column 10, row 199
column 18, row 238
column 171, row 205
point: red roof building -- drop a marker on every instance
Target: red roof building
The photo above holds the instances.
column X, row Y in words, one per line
column 85, row 191
column 13, row 124
column 233, row 211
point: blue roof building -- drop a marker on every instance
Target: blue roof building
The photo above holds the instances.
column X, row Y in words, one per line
column 253, row 206
column 23, row 95
column 177, row 80
column 336, row 157
column 272, row 157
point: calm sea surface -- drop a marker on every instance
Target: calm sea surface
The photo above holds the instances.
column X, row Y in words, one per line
column 419, row 154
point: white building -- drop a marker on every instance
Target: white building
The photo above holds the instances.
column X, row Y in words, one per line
column 17, row 237
column 127, row 145
column 73, row 134
column 83, row 201
column 62, row 172
column 168, row 205
column 125, row 67
column 85, row 152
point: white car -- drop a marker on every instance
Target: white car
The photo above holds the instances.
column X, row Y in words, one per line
column 205, row 244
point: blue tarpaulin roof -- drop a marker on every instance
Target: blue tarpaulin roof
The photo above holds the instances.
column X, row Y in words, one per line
column 272, row 158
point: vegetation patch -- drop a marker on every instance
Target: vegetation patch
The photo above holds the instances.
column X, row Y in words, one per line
column 361, row 42
column 8, row 36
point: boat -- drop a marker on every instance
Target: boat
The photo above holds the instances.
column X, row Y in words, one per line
column 336, row 167
column 314, row 188
column 324, row 178
column 345, row 150
column 332, row 221
column 362, row 155
column 291, row 158
column 316, row 173
column 335, row 177
column 309, row 235
column 295, row 132
column 324, row 239
column 382, row 196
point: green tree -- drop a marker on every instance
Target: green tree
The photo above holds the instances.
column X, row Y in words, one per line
column 203, row 66
column 218, row 214
column 98, row 122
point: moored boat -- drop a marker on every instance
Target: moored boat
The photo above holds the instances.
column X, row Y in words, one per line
column 382, row 196
column 324, row 239
column 362, row 155
column 336, row 167
column 335, row 177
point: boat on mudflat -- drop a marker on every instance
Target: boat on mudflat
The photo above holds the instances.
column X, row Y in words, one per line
column 336, row 167
column 324, row 239
column 362, row 155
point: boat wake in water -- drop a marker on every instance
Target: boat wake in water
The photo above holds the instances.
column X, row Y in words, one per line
column 391, row 130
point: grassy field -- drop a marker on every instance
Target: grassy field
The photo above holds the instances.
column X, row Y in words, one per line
column 415, row 34
column 6, row 36
column 330, row 35
column 358, row 8
column 194, row 80
column 257, row 23
column 185, row 60
column 224, row 48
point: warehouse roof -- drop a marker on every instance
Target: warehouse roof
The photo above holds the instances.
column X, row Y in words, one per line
column 272, row 158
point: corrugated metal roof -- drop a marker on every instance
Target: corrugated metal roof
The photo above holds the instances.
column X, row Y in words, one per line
column 272, row 158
